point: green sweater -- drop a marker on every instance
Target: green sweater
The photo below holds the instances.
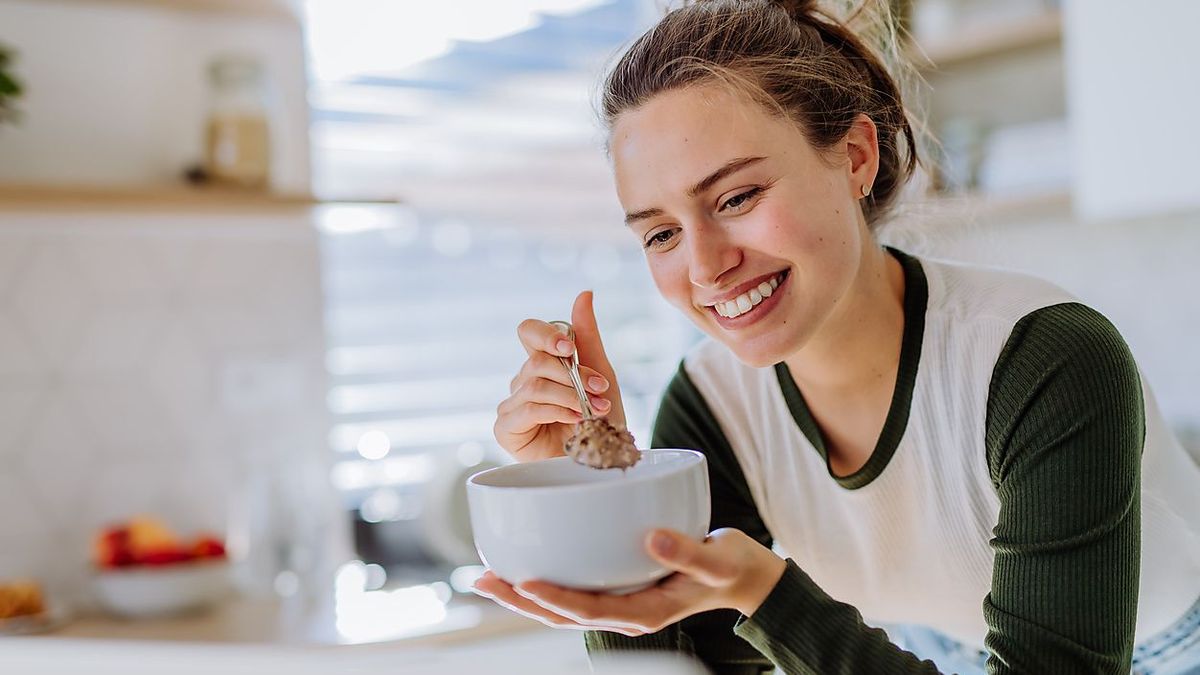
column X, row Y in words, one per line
column 1064, row 433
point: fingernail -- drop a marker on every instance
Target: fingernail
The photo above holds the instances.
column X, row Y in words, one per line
column 663, row 544
column 564, row 347
column 597, row 384
column 601, row 403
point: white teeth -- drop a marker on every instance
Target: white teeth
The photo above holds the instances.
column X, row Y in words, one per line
column 746, row 301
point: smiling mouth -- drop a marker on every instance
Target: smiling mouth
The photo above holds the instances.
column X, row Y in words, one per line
column 747, row 301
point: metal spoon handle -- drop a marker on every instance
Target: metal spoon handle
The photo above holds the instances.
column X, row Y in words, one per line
column 571, row 363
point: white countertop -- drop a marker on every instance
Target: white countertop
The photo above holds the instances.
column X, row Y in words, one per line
column 248, row 636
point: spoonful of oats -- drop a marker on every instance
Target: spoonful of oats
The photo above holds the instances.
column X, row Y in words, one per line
column 596, row 442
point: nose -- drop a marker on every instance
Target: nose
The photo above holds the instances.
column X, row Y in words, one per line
column 710, row 256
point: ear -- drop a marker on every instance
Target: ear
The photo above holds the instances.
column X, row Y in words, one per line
column 862, row 148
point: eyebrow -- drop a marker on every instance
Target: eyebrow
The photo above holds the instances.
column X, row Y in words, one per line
column 707, row 182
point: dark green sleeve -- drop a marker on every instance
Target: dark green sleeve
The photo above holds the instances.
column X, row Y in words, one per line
column 1065, row 428
column 685, row 421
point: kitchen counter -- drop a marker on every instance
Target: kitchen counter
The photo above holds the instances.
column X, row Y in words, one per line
column 249, row 636
column 270, row 621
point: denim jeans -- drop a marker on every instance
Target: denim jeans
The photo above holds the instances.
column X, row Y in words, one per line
column 1174, row 650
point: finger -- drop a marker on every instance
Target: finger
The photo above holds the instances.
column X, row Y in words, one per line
column 544, row 391
column 540, row 364
column 591, row 347
column 587, row 334
column 526, row 416
column 503, row 594
column 540, row 336
column 634, row 612
column 699, row 560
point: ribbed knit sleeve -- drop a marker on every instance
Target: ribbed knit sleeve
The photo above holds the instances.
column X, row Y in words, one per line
column 685, row 421
column 1065, row 428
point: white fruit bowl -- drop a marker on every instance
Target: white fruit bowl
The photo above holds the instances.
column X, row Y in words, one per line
column 144, row 591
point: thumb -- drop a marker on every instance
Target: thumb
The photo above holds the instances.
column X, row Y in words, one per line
column 587, row 334
column 681, row 553
column 591, row 348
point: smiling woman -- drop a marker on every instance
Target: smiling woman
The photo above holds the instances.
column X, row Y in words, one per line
column 957, row 454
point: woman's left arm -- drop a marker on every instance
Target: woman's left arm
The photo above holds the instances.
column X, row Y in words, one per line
column 1065, row 428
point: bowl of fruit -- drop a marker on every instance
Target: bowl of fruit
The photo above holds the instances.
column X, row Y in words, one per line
column 144, row 569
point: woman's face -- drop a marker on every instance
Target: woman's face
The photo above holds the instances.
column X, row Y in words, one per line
column 746, row 229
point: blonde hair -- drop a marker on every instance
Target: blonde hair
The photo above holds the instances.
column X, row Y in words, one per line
column 796, row 60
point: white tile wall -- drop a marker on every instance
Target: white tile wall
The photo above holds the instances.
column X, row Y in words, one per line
column 162, row 364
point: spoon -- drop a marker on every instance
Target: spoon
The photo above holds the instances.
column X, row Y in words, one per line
column 571, row 363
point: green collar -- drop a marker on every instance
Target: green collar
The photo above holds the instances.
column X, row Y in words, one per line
column 916, row 296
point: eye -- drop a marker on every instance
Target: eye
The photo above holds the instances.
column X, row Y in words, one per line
column 660, row 239
column 738, row 201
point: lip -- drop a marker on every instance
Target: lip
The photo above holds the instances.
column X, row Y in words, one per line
column 758, row 311
column 743, row 288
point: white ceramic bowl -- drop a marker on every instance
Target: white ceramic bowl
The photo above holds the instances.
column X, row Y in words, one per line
column 140, row 592
column 571, row 525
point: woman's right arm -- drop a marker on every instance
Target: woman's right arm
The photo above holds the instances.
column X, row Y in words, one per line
column 684, row 421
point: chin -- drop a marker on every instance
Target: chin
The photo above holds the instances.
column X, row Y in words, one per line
column 757, row 359
column 756, row 356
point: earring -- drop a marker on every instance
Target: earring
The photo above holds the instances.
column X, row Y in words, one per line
column 866, row 190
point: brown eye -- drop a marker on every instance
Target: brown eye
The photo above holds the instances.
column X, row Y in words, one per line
column 660, row 239
column 737, row 201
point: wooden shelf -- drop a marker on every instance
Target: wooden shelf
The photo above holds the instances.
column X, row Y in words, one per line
column 264, row 9
column 167, row 198
column 985, row 42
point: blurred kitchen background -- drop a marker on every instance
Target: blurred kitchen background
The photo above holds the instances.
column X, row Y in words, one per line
column 261, row 261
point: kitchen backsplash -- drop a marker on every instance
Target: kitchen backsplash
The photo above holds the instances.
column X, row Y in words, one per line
column 169, row 365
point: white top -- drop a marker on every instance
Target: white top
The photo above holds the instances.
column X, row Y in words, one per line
column 912, row 546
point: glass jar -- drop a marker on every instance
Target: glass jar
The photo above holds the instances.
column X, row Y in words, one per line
column 237, row 145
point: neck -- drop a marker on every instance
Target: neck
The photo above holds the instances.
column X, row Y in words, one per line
column 857, row 349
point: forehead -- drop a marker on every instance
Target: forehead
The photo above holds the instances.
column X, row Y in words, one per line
column 678, row 137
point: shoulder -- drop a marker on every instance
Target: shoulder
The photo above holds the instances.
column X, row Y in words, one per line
column 1068, row 339
column 1064, row 368
column 978, row 291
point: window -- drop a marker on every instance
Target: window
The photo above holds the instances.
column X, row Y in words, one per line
column 506, row 212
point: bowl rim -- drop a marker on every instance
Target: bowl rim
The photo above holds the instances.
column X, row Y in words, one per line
column 475, row 485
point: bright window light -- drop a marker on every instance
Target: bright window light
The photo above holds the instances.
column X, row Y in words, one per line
column 356, row 37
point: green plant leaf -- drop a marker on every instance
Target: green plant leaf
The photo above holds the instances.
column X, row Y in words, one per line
column 9, row 86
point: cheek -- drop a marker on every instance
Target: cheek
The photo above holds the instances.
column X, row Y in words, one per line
column 812, row 239
column 670, row 275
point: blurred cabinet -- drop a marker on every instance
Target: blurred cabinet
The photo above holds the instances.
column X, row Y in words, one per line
column 1077, row 106
column 995, row 100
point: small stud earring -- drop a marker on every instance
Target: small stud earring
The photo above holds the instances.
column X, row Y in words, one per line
column 866, row 190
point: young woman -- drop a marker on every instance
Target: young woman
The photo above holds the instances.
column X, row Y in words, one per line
column 962, row 455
